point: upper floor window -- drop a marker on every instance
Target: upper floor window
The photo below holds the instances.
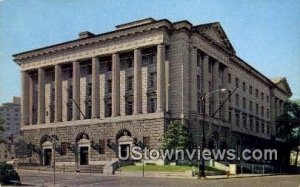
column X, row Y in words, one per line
column 109, row 85
column 237, row 99
column 244, row 103
column 256, row 108
column 256, row 92
column 244, row 86
column 250, row 106
column 130, row 83
column 152, row 80
column 268, row 99
column 129, row 106
column 109, row 66
column 198, row 82
column 152, row 105
column 237, row 82
column 262, row 95
column 89, row 89
column 250, row 90
column 237, row 118
column 229, row 78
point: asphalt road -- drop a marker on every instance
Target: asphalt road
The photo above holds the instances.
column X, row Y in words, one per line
column 31, row 178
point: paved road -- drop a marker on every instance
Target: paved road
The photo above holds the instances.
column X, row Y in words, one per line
column 31, row 178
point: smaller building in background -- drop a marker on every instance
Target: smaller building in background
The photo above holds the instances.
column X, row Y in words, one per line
column 10, row 113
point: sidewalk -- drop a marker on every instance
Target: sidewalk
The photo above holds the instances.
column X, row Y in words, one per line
column 149, row 174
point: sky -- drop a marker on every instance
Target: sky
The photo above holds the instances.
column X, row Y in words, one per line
column 264, row 33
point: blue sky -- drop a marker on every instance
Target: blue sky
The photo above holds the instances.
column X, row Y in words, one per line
column 265, row 33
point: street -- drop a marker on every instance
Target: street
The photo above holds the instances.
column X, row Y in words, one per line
column 33, row 178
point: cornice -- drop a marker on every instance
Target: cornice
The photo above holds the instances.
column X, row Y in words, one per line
column 74, row 44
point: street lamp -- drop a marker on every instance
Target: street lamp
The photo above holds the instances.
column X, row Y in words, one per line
column 201, row 172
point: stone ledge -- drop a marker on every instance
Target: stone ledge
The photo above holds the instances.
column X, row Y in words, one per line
column 139, row 117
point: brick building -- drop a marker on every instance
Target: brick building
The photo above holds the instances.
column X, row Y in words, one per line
column 10, row 113
column 98, row 92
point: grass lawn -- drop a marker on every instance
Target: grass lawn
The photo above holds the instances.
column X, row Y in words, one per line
column 164, row 168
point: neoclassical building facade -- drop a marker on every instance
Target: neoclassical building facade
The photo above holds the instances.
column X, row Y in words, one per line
column 96, row 93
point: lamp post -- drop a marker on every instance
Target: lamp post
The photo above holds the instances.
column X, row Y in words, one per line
column 201, row 172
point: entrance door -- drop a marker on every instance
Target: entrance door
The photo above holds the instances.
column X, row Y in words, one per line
column 47, row 157
column 84, row 155
column 125, row 148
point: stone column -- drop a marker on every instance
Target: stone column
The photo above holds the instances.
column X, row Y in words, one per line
column 58, row 94
column 95, row 88
column 41, row 95
column 30, row 98
column 216, row 95
column 25, row 99
column 205, row 81
column 193, row 80
column 137, row 82
column 160, row 68
column 76, row 90
column 115, row 85
column 226, row 104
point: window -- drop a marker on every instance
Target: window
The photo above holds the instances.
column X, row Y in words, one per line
column 229, row 78
column 237, row 118
column 109, row 66
column 244, row 103
column 210, row 67
column 268, row 129
column 268, row 113
column 229, row 96
column 256, row 108
column 256, row 93
column 251, row 123
column 129, row 63
column 262, row 127
column 152, row 80
column 199, row 106
column 129, row 106
column 250, row 106
column 70, row 92
column 130, row 83
column 245, row 121
column 268, row 99
column 69, row 110
column 244, row 86
column 108, row 108
column 109, row 85
column 152, row 105
column 89, row 89
column 237, row 99
column 257, row 125
column 250, row 90
column 148, row 59
column 209, row 86
column 230, row 116
column 198, row 82
column 262, row 96
column 237, row 82
column 88, row 109
column 89, row 69
column 262, row 111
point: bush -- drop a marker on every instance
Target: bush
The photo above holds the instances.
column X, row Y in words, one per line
column 8, row 174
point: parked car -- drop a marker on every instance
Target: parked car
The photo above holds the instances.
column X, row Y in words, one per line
column 8, row 174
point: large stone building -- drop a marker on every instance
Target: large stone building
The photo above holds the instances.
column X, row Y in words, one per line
column 10, row 114
column 98, row 92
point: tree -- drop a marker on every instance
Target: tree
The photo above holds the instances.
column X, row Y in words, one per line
column 288, row 126
column 176, row 137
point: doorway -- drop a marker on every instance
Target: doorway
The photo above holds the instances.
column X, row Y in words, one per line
column 125, row 148
column 84, row 155
column 47, row 157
